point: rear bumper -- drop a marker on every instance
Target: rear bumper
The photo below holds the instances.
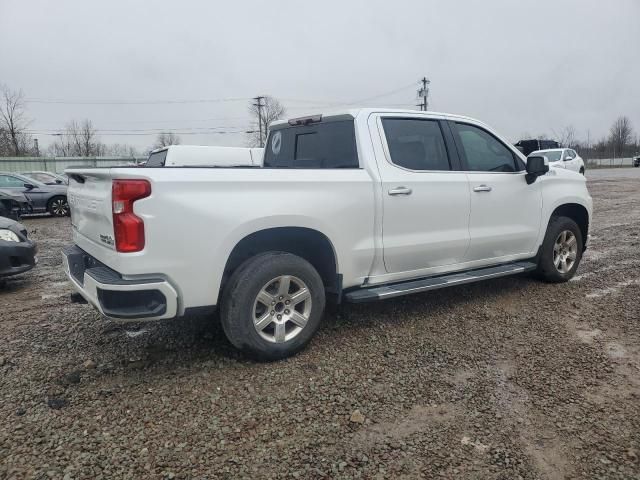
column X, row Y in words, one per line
column 115, row 297
column 16, row 257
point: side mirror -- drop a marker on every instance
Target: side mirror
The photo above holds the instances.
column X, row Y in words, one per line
column 58, row 181
column 536, row 166
column 29, row 186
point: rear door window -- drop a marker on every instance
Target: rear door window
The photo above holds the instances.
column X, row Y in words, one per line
column 416, row 144
column 330, row 144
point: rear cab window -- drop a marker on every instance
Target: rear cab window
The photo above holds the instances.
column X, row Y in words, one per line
column 313, row 143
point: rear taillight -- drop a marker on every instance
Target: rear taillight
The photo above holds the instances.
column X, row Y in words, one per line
column 128, row 228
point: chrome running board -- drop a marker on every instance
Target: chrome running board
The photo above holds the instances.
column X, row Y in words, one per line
column 433, row 283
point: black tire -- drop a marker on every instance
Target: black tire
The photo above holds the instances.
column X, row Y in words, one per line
column 547, row 270
column 58, row 206
column 239, row 299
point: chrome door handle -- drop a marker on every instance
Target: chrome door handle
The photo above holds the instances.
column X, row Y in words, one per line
column 482, row 188
column 400, row 191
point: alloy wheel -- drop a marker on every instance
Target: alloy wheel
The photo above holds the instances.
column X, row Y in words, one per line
column 60, row 207
column 282, row 309
column 565, row 251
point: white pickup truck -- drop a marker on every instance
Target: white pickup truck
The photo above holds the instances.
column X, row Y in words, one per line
column 362, row 205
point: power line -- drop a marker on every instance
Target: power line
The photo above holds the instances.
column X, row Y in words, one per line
column 217, row 132
column 348, row 103
column 191, row 120
column 145, row 130
column 412, row 84
column 205, row 100
column 135, row 102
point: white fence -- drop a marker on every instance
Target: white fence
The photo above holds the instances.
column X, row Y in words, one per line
column 609, row 162
column 58, row 164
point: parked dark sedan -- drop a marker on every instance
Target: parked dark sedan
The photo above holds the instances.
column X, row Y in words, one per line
column 17, row 252
column 44, row 198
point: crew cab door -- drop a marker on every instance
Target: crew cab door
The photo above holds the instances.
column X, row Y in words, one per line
column 425, row 197
column 505, row 212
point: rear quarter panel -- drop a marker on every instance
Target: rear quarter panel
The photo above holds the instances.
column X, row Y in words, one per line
column 195, row 217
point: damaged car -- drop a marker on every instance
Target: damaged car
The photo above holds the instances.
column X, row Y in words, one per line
column 17, row 251
column 14, row 204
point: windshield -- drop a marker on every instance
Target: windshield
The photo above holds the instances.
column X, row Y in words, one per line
column 552, row 155
column 40, row 177
column 30, row 180
column 157, row 159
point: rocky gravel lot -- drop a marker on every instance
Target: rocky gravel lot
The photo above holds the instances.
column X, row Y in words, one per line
column 505, row 379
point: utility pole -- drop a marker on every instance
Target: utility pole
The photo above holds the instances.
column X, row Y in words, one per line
column 259, row 106
column 423, row 93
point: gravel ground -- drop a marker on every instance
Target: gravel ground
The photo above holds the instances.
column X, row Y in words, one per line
column 507, row 379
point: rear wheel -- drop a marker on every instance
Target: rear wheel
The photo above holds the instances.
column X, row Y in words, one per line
column 272, row 305
column 561, row 250
column 58, row 206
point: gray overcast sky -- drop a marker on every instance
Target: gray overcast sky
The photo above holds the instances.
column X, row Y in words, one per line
column 522, row 66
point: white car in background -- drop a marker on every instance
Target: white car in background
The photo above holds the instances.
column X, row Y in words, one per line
column 205, row 156
column 562, row 158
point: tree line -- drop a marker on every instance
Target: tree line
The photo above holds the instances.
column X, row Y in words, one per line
column 620, row 142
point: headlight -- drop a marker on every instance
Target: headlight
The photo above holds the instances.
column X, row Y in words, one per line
column 8, row 236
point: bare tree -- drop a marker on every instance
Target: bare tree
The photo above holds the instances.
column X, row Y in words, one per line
column 121, row 150
column 620, row 135
column 270, row 111
column 78, row 140
column 13, row 123
column 165, row 139
column 6, row 146
column 566, row 137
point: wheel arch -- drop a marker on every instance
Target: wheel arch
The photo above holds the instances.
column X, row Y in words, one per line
column 578, row 213
column 308, row 243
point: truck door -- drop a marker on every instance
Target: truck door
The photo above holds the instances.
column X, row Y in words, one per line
column 425, row 197
column 505, row 211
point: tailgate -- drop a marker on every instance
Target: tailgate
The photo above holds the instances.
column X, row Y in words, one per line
column 89, row 196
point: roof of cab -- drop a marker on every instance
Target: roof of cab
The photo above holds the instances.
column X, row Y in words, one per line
column 355, row 112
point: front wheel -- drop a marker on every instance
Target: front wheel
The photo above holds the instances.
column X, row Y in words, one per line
column 272, row 305
column 58, row 206
column 561, row 250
